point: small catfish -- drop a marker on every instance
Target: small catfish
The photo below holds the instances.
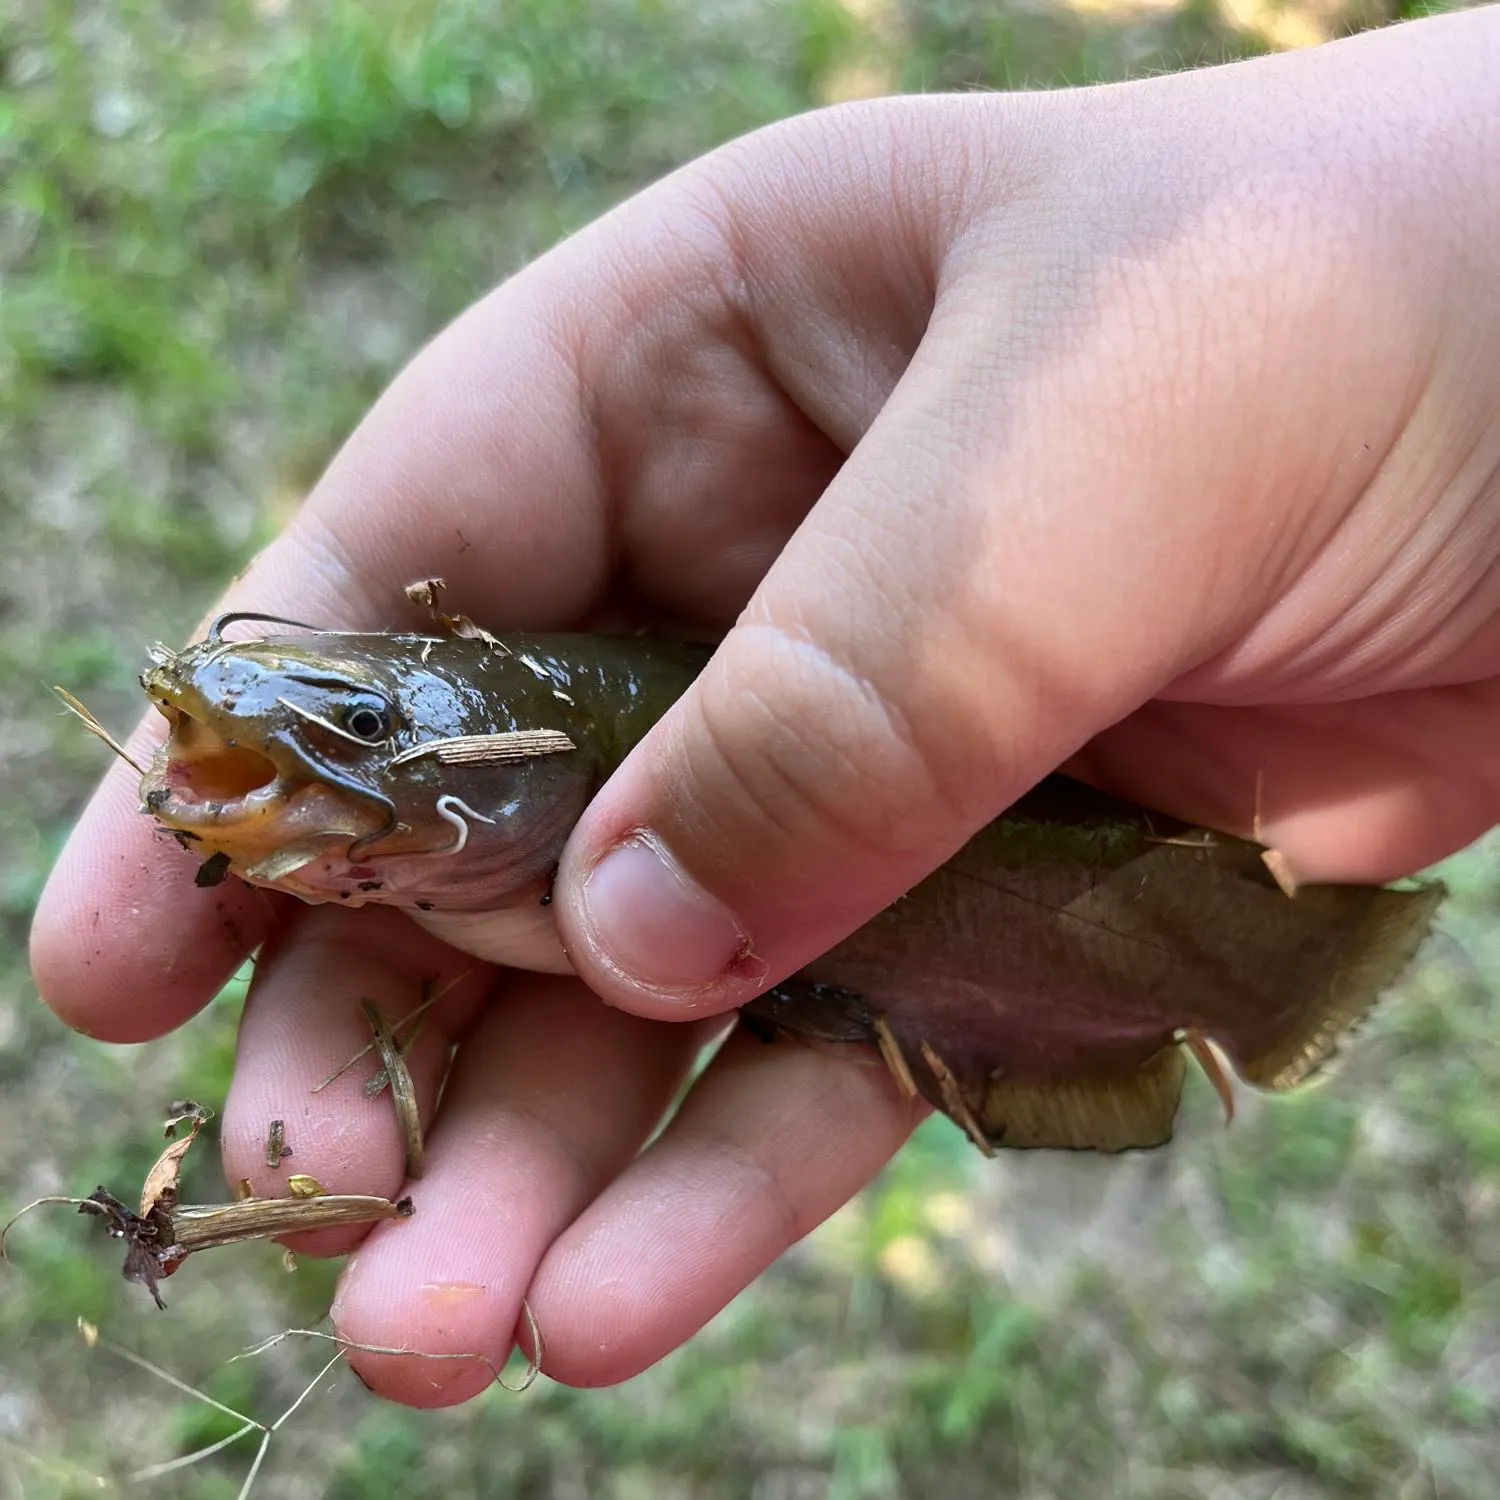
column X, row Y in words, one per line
column 1043, row 988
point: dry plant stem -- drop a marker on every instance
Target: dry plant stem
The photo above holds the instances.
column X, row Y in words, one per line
column 21, row 1213
column 403, row 1091
column 207, row 1226
column 1273, row 859
column 95, row 728
column 406, row 1020
column 895, row 1059
column 1207, row 1059
column 91, row 1337
column 954, row 1101
column 378, row 1080
column 165, row 1231
column 250, row 1424
column 534, row 1358
column 534, row 1355
column 509, row 748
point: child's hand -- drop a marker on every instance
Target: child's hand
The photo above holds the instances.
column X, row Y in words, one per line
column 1155, row 425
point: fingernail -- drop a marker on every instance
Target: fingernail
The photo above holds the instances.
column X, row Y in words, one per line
column 658, row 925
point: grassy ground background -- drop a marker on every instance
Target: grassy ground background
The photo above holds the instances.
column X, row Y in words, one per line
column 222, row 228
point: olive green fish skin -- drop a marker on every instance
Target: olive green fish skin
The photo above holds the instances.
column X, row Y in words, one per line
column 287, row 697
column 1035, row 987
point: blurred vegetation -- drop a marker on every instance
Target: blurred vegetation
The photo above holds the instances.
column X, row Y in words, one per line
column 222, row 228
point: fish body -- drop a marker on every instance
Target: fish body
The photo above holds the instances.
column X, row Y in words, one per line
column 398, row 769
column 1039, row 987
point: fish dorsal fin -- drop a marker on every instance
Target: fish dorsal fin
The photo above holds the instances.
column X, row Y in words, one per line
column 1371, row 957
column 1087, row 1114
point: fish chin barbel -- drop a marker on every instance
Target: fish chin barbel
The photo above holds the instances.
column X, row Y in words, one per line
column 1042, row 988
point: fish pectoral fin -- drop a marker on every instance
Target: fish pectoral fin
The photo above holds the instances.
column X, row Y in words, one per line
column 1370, row 957
column 1131, row 1112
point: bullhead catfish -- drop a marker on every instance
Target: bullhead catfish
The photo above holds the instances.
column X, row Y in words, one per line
column 1044, row 988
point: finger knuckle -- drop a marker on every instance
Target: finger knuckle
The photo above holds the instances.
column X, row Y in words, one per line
column 799, row 737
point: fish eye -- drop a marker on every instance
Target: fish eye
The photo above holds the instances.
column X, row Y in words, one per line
column 367, row 723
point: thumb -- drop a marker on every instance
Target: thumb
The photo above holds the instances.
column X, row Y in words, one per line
column 931, row 642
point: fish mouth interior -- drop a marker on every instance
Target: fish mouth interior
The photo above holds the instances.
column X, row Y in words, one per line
column 202, row 766
column 231, row 798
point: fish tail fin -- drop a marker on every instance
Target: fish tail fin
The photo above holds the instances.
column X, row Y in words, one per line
column 1371, row 957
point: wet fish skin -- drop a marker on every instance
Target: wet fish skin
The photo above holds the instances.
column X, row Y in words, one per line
column 1037, row 987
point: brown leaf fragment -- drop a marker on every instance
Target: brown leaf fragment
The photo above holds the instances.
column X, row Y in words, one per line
column 159, row 1238
column 118, row 1218
column 142, row 1265
column 426, row 592
column 160, row 1186
column 276, row 1146
column 213, row 871
column 143, row 1260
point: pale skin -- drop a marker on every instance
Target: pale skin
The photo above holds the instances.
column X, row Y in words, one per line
column 982, row 424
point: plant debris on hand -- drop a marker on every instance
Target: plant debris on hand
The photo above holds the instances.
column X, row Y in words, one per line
column 163, row 1232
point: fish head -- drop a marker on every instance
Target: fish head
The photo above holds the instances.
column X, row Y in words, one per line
column 404, row 769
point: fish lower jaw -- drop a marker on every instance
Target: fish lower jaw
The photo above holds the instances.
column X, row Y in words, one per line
column 190, row 810
column 267, row 832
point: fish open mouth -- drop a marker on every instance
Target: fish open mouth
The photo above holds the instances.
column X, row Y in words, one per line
column 231, row 798
column 202, row 769
column 201, row 778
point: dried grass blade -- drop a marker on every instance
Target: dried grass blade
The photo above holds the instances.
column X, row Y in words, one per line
column 95, row 728
column 403, row 1090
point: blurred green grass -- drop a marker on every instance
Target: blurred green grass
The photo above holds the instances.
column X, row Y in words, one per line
column 222, row 228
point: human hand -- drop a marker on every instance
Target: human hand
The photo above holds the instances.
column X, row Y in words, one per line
column 1154, row 426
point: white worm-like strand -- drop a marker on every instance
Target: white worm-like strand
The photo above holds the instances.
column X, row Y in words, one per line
column 451, row 810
